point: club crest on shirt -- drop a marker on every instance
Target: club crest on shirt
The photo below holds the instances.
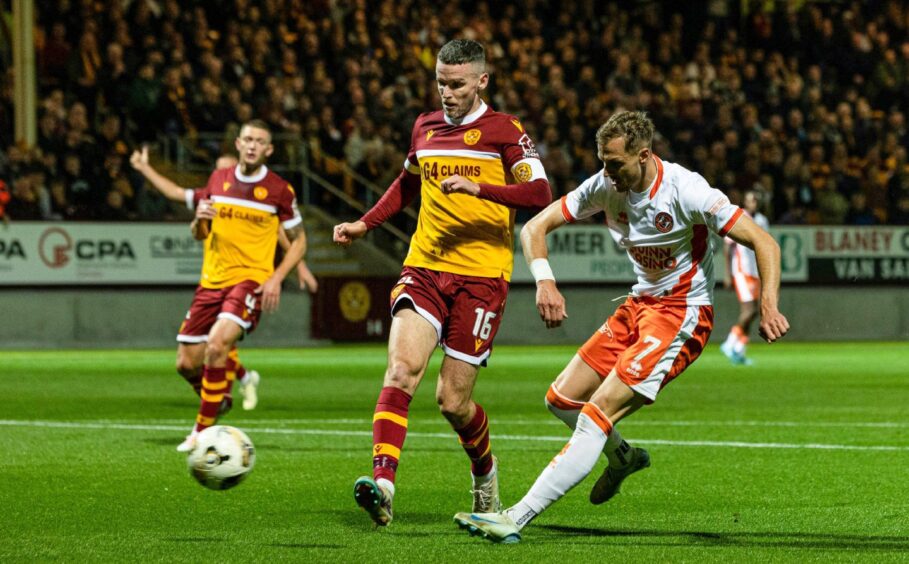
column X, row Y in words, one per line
column 260, row 192
column 472, row 137
column 663, row 222
column 523, row 172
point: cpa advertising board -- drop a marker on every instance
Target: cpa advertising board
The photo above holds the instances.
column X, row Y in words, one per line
column 39, row 253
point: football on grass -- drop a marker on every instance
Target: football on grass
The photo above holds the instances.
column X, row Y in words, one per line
column 222, row 458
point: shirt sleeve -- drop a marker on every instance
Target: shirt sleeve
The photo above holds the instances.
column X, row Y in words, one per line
column 519, row 153
column 193, row 196
column 585, row 200
column 288, row 211
column 708, row 206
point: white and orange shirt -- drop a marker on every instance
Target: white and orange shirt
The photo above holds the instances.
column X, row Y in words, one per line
column 243, row 236
column 665, row 233
column 459, row 233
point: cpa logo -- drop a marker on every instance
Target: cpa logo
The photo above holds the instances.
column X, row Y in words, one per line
column 54, row 247
column 663, row 222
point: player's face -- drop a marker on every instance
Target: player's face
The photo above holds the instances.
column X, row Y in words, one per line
column 750, row 203
column 625, row 169
column 459, row 87
column 254, row 146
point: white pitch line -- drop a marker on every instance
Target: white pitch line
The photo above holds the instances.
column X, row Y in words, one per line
column 536, row 438
column 550, row 421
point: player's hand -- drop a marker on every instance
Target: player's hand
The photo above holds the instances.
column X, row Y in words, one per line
column 727, row 282
column 345, row 233
column 205, row 210
column 305, row 277
column 271, row 294
column 139, row 158
column 773, row 324
column 550, row 304
column 458, row 184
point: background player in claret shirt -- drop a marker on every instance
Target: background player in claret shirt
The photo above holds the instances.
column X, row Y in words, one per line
column 660, row 213
column 742, row 275
column 239, row 278
column 472, row 167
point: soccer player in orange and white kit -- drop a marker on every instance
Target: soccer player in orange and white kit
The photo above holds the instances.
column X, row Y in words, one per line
column 245, row 205
column 742, row 274
column 661, row 214
column 472, row 167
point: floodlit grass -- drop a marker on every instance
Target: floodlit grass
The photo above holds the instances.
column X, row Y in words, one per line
column 801, row 457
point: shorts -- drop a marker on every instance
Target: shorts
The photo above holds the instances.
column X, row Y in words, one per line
column 465, row 310
column 747, row 287
column 648, row 343
column 237, row 303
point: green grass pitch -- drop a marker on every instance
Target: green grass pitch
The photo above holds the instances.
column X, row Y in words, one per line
column 801, row 457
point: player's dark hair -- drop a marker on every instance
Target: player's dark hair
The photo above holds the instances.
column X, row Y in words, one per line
column 258, row 124
column 460, row 51
column 635, row 127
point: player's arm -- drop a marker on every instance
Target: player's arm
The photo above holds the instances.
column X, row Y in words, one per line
column 167, row 187
column 533, row 194
column 201, row 224
column 271, row 288
column 746, row 232
column 550, row 302
column 304, row 275
column 398, row 196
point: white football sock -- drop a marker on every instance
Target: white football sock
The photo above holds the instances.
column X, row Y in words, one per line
column 616, row 450
column 562, row 407
column 732, row 340
column 568, row 467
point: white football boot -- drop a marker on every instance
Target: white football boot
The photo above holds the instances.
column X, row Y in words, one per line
column 250, row 389
column 496, row 527
column 188, row 443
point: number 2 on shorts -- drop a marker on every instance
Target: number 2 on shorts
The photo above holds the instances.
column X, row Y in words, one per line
column 482, row 327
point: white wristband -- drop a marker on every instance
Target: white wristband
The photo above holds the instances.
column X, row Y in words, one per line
column 541, row 270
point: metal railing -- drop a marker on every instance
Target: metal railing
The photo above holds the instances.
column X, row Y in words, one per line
column 292, row 157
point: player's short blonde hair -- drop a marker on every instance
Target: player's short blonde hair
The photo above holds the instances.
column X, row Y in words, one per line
column 635, row 127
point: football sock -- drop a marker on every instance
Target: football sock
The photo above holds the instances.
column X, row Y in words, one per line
column 617, row 451
column 194, row 380
column 474, row 438
column 740, row 339
column 733, row 337
column 568, row 468
column 562, row 407
column 214, row 384
column 236, row 372
column 389, row 428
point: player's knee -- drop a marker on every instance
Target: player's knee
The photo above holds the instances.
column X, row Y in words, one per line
column 216, row 350
column 402, row 374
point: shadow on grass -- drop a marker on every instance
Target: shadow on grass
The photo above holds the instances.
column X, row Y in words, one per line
column 812, row 541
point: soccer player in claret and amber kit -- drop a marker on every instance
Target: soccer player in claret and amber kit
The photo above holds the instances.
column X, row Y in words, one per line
column 238, row 213
column 661, row 214
column 472, row 167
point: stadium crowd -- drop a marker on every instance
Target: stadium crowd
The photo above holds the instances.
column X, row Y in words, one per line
column 805, row 103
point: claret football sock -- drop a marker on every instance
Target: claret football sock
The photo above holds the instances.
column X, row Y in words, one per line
column 389, row 428
column 214, row 385
column 474, row 438
column 568, row 468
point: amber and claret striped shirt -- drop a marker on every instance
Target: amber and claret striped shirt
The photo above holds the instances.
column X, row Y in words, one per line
column 243, row 236
column 460, row 233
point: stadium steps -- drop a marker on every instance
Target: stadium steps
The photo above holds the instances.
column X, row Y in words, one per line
column 327, row 259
